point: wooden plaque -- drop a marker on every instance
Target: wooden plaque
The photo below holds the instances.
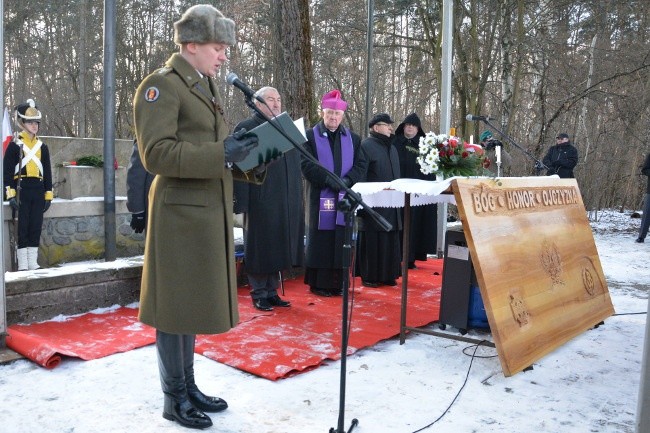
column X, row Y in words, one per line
column 536, row 263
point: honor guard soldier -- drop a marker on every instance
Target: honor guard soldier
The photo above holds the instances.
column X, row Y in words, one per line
column 28, row 182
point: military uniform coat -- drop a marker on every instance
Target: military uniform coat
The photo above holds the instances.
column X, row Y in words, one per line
column 275, row 221
column 188, row 279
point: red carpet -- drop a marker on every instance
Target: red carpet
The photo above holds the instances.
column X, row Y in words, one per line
column 287, row 341
column 272, row 345
column 88, row 336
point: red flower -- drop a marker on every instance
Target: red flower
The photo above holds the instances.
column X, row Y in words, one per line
column 486, row 163
column 465, row 154
column 453, row 142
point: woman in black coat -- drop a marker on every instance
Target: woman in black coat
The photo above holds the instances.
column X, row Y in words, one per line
column 424, row 219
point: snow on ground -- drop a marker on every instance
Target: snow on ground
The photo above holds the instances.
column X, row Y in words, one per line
column 589, row 384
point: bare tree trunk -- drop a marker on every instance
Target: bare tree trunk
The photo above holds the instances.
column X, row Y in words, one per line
column 583, row 114
column 294, row 57
column 507, row 67
column 81, row 128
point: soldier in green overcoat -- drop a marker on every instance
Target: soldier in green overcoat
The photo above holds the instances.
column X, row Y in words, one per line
column 188, row 279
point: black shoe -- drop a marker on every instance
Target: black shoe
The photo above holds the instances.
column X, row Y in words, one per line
column 369, row 283
column 412, row 265
column 320, row 292
column 184, row 413
column 336, row 292
column 640, row 240
column 277, row 301
column 262, row 304
column 390, row 283
column 206, row 403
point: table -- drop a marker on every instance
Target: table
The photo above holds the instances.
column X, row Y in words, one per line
column 406, row 193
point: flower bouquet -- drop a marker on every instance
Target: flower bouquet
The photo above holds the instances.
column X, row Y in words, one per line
column 449, row 156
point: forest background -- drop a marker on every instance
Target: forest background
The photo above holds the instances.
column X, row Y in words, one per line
column 540, row 68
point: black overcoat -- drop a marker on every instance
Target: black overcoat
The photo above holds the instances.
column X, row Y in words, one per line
column 424, row 219
column 275, row 221
column 383, row 166
column 324, row 246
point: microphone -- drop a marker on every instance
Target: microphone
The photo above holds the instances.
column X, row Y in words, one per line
column 234, row 80
column 473, row 118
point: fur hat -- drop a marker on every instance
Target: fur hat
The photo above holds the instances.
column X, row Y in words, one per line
column 563, row 135
column 411, row 119
column 379, row 118
column 203, row 24
column 333, row 101
column 28, row 111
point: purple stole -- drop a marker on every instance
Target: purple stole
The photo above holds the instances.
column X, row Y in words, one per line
column 328, row 216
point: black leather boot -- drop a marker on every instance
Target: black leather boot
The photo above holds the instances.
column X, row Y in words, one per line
column 203, row 402
column 177, row 405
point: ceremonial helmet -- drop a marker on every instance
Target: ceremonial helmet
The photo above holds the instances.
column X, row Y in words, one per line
column 27, row 111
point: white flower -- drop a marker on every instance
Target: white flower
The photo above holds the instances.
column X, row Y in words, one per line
column 429, row 156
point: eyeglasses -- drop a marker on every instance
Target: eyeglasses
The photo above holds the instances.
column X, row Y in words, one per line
column 383, row 124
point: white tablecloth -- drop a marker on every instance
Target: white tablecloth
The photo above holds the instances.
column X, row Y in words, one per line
column 391, row 194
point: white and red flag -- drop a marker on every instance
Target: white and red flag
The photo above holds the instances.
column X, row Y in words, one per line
column 7, row 135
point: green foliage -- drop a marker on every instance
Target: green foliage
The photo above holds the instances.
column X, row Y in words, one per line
column 91, row 160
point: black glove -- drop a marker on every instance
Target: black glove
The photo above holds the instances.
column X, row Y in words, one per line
column 139, row 221
column 539, row 165
column 492, row 143
column 14, row 203
column 47, row 205
column 236, row 149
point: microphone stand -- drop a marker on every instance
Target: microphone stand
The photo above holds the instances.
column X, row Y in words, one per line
column 348, row 205
column 539, row 165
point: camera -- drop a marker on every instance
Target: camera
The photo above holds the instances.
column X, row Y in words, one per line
column 491, row 143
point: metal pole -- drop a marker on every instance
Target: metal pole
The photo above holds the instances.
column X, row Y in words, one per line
column 643, row 406
column 109, row 131
column 3, row 293
column 445, row 104
column 371, row 27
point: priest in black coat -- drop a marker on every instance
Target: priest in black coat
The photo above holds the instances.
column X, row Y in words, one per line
column 274, row 222
column 378, row 254
column 338, row 150
column 424, row 219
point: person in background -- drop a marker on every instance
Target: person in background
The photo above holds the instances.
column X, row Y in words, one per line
column 28, row 183
column 274, row 220
column 645, row 221
column 338, row 150
column 138, row 182
column 561, row 158
column 489, row 143
column 378, row 254
column 423, row 227
column 189, row 282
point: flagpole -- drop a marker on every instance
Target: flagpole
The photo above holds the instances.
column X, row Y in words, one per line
column 3, row 293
